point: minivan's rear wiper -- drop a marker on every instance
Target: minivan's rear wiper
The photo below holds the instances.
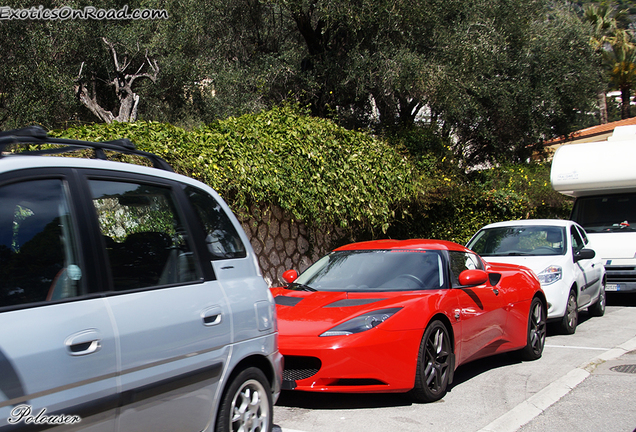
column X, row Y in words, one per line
column 300, row 287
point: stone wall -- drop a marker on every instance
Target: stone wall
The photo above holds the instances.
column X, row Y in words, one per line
column 282, row 243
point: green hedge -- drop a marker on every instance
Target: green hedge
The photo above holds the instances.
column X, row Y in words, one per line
column 408, row 185
column 321, row 173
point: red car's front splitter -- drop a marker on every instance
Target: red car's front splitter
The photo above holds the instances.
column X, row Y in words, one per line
column 374, row 361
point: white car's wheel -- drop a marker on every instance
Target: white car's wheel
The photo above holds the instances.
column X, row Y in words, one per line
column 598, row 308
column 571, row 317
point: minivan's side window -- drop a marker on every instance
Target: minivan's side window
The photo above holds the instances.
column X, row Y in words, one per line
column 222, row 240
column 38, row 255
column 460, row 261
column 146, row 240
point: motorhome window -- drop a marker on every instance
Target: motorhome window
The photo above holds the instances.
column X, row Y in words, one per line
column 608, row 213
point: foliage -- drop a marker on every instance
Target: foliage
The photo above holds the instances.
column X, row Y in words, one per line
column 511, row 82
column 451, row 204
column 318, row 171
column 616, row 45
column 496, row 75
column 325, row 175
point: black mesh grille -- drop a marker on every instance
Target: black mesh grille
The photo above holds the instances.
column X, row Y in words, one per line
column 299, row 367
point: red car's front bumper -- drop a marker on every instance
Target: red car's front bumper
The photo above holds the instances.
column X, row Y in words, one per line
column 372, row 361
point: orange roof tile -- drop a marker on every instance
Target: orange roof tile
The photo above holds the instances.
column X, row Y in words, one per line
column 591, row 131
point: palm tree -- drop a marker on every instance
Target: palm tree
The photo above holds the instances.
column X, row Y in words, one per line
column 622, row 60
column 617, row 49
column 603, row 22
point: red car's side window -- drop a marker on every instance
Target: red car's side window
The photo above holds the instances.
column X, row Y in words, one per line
column 460, row 261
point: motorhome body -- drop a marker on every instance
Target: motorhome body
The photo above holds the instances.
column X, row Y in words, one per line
column 602, row 177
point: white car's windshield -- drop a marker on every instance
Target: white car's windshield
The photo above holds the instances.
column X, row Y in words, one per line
column 374, row 270
column 519, row 241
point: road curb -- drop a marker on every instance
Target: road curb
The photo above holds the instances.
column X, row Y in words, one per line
column 539, row 402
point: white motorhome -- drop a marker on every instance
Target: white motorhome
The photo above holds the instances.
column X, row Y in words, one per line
column 602, row 177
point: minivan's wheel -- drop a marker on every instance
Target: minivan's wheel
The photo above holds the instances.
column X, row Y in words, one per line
column 434, row 364
column 598, row 308
column 571, row 317
column 536, row 331
column 247, row 404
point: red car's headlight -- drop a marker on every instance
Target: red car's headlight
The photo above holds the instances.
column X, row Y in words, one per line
column 361, row 323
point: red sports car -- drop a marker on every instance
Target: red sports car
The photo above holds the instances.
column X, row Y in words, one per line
column 401, row 316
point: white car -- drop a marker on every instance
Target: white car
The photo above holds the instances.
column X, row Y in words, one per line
column 558, row 251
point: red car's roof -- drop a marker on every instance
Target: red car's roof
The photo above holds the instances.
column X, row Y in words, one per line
column 404, row 244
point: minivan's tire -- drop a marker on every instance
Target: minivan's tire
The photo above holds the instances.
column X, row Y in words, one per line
column 435, row 364
column 571, row 318
column 598, row 308
column 247, row 404
column 536, row 332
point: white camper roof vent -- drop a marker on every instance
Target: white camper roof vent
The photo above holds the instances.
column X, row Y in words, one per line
column 623, row 133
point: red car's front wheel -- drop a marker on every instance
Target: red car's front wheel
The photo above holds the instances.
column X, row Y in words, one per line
column 434, row 364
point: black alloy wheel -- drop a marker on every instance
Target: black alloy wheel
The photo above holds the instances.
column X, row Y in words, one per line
column 537, row 327
column 435, row 364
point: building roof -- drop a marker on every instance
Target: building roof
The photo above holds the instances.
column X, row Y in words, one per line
column 594, row 133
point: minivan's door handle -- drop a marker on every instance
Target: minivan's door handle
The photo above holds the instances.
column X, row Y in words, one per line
column 496, row 291
column 84, row 342
column 212, row 316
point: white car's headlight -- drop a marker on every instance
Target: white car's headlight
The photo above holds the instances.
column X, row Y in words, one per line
column 361, row 323
column 550, row 275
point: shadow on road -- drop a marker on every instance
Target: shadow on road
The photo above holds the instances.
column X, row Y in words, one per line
column 327, row 401
column 470, row 370
column 621, row 299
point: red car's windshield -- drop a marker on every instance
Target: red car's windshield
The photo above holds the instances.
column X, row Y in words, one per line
column 374, row 270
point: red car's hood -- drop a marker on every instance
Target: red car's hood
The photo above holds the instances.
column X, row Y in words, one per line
column 303, row 313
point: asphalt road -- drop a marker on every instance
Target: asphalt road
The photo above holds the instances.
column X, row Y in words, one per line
column 583, row 382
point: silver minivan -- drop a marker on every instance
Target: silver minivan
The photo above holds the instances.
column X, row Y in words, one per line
column 130, row 297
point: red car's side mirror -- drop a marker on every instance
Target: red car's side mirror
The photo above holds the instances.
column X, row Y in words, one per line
column 473, row 277
column 290, row 275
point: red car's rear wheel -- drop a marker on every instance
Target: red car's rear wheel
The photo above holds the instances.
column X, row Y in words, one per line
column 536, row 331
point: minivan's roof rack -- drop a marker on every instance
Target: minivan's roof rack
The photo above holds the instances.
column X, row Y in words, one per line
column 38, row 135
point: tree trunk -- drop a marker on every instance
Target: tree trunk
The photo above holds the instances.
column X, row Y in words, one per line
column 625, row 103
column 123, row 84
column 602, row 104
